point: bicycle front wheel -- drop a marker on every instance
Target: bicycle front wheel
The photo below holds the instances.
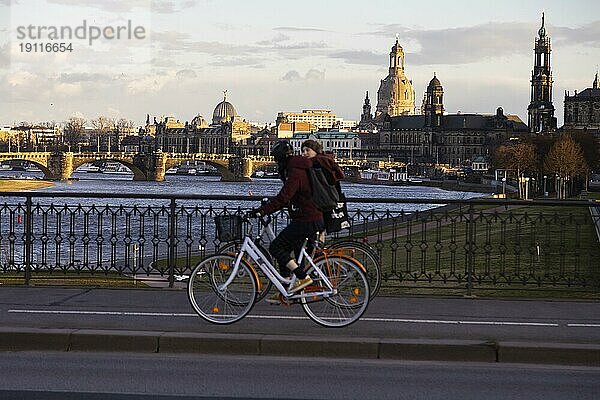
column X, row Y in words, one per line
column 350, row 295
column 216, row 304
column 264, row 284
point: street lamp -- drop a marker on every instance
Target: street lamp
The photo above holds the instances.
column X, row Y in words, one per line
column 504, row 187
column 545, row 192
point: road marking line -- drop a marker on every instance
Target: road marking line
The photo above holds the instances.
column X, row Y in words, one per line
column 452, row 322
column 290, row 317
column 584, row 325
column 125, row 313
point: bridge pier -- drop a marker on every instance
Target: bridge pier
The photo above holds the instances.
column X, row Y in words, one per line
column 239, row 170
column 153, row 166
column 60, row 165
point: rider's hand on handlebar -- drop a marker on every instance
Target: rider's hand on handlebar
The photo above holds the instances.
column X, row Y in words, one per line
column 254, row 213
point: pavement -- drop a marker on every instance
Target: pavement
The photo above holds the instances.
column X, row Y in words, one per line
column 160, row 320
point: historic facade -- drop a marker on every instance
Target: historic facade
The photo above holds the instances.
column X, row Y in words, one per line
column 225, row 113
column 438, row 138
column 396, row 95
column 341, row 143
column 227, row 132
column 541, row 110
column 582, row 110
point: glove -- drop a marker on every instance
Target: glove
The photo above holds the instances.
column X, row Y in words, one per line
column 254, row 213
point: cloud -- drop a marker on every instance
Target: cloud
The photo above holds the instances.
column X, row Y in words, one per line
column 66, row 89
column 84, row 77
column 291, row 76
column 237, row 61
column 119, row 6
column 4, row 55
column 315, row 75
column 175, row 41
column 186, row 74
column 365, row 57
column 297, row 29
column 277, row 39
column 472, row 44
column 463, row 45
column 149, row 84
column 302, row 46
column 587, row 35
column 311, row 75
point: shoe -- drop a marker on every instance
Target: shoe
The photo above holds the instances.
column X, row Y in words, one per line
column 301, row 284
column 274, row 298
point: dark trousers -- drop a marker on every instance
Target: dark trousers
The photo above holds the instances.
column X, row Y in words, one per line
column 290, row 240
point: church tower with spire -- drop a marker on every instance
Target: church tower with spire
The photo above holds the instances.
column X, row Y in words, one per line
column 541, row 110
column 366, row 115
column 396, row 95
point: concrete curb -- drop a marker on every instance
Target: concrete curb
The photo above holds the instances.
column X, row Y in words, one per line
column 35, row 339
column 549, row 353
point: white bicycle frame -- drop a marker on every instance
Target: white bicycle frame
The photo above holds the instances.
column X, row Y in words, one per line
column 250, row 248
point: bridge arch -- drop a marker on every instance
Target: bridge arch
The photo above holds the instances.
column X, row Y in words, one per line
column 43, row 166
column 138, row 174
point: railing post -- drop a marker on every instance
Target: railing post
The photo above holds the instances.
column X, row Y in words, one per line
column 470, row 246
column 172, row 233
column 28, row 238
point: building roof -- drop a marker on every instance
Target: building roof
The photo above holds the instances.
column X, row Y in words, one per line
column 460, row 121
column 408, row 122
column 589, row 92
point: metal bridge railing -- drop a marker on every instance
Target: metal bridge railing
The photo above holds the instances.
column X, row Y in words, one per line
column 465, row 244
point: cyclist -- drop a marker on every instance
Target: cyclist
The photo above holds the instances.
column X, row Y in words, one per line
column 313, row 150
column 306, row 218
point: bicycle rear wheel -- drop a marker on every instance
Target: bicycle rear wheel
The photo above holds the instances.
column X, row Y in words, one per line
column 264, row 284
column 225, row 305
column 368, row 257
column 349, row 300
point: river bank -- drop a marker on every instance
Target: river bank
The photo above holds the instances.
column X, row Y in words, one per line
column 450, row 185
column 17, row 185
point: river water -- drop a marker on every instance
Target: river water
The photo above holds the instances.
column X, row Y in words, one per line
column 211, row 185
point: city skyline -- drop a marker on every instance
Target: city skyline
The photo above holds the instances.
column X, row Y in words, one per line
column 275, row 57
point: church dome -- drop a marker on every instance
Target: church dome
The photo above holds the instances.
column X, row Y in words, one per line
column 435, row 82
column 199, row 122
column 224, row 111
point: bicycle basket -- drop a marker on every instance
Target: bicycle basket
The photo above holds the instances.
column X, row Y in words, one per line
column 229, row 227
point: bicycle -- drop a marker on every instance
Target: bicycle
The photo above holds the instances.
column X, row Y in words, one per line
column 360, row 251
column 222, row 288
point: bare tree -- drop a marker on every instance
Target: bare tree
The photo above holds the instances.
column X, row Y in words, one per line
column 566, row 160
column 73, row 131
column 123, row 127
column 103, row 127
column 520, row 157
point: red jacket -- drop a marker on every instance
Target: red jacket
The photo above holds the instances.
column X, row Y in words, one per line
column 296, row 193
column 327, row 162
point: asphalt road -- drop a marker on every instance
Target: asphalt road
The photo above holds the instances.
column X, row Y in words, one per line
column 90, row 376
column 417, row 318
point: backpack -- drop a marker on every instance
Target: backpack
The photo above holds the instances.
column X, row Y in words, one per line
column 324, row 194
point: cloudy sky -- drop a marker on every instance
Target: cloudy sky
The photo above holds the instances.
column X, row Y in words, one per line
column 281, row 55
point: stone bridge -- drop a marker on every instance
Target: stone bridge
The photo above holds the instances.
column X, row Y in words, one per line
column 145, row 167
column 149, row 167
